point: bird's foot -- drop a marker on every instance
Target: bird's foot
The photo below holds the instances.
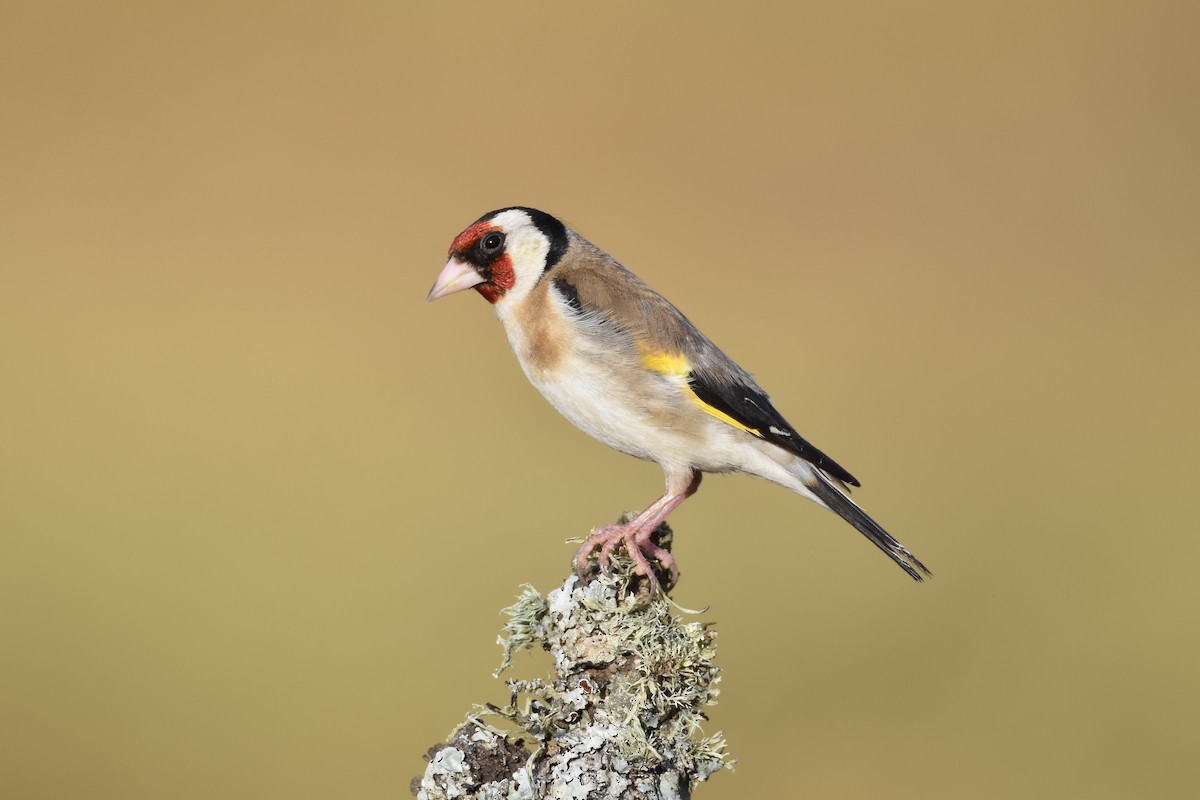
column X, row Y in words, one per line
column 638, row 543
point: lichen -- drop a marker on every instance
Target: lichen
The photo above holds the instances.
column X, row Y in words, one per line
column 524, row 627
column 620, row 718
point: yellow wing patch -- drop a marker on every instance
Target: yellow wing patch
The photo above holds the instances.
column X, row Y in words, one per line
column 674, row 364
column 677, row 365
column 721, row 415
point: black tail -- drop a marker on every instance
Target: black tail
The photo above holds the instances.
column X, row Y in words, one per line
column 845, row 508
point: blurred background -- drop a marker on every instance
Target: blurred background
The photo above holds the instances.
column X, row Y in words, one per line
column 260, row 506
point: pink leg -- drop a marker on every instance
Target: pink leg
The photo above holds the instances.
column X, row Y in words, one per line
column 636, row 533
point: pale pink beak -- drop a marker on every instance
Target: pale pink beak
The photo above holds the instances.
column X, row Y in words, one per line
column 456, row 276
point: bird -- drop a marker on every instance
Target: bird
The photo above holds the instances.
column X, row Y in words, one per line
column 624, row 365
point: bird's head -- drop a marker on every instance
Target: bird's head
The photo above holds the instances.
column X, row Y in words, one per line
column 502, row 255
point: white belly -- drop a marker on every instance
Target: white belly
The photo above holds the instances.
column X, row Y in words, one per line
column 606, row 392
column 602, row 405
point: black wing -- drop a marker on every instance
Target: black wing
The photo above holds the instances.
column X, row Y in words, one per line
column 750, row 407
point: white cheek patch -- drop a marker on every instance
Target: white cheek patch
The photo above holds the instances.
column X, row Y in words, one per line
column 527, row 249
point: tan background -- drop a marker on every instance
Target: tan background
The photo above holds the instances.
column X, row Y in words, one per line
column 259, row 505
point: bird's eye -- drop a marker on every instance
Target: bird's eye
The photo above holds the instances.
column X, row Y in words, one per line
column 493, row 243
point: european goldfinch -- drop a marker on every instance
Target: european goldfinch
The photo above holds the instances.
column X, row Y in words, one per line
column 623, row 364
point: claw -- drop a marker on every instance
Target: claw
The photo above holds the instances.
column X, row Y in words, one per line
column 638, row 545
column 636, row 534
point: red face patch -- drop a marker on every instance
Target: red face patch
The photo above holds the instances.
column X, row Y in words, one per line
column 501, row 281
column 467, row 239
column 498, row 274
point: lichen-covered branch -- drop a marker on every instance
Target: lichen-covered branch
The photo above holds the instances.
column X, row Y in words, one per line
column 619, row 718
